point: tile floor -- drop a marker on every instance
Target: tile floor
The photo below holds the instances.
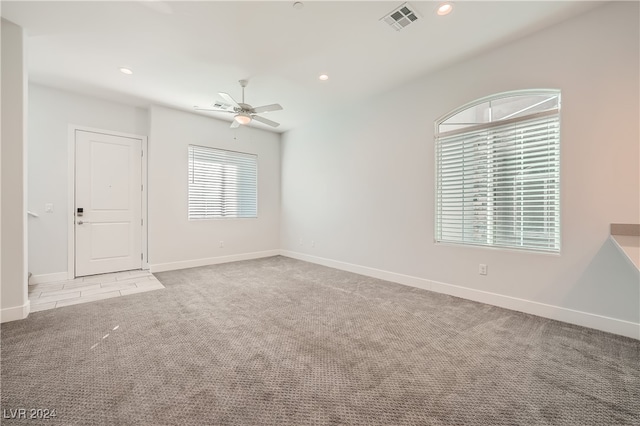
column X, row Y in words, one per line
column 91, row 288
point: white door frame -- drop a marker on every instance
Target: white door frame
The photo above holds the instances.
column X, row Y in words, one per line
column 71, row 194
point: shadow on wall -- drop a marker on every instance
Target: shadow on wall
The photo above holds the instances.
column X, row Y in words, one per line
column 611, row 271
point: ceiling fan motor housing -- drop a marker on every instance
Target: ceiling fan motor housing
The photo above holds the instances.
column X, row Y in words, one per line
column 245, row 108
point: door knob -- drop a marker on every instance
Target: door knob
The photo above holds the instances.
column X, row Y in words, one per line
column 80, row 222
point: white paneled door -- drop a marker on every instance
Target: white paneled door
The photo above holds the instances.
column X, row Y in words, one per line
column 108, row 203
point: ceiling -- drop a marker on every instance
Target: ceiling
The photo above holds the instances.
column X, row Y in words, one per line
column 183, row 53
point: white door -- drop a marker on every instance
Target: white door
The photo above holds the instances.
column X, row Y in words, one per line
column 108, row 203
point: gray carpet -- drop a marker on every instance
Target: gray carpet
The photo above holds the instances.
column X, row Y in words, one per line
column 278, row 341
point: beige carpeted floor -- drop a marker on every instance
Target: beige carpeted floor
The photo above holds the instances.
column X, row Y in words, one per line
column 278, row 341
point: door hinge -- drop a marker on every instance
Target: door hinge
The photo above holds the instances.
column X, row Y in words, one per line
column 141, row 187
column 141, row 256
column 141, row 222
column 141, row 153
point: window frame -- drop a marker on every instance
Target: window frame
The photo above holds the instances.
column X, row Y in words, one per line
column 495, row 124
column 212, row 217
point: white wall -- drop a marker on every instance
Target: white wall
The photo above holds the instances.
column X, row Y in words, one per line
column 360, row 184
column 13, row 285
column 176, row 242
column 51, row 111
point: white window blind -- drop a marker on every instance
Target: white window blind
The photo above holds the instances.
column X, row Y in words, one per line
column 498, row 183
column 222, row 184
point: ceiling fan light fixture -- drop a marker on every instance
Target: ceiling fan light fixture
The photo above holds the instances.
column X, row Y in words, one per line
column 242, row 118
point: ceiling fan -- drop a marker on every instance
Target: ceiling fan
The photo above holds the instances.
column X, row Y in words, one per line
column 244, row 113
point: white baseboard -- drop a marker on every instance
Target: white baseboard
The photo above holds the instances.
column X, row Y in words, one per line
column 585, row 319
column 48, row 278
column 362, row 270
column 15, row 313
column 171, row 266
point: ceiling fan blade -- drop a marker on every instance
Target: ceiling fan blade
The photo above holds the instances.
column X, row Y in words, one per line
column 223, row 106
column 211, row 109
column 228, row 99
column 267, row 108
column 235, row 124
column 265, row 121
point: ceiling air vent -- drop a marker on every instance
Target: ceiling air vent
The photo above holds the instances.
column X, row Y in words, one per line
column 401, row 17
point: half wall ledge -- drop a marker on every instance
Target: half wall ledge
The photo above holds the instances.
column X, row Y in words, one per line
column 627, row 238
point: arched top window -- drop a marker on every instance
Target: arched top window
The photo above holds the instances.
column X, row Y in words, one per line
column 498, row 172
column 500, row 107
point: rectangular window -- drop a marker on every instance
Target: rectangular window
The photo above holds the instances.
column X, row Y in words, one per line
column 222, row 184
column 498, row 183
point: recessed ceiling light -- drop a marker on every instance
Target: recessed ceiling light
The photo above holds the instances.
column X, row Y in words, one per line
column 323, row 77
column 127, row 71
column 444, row 9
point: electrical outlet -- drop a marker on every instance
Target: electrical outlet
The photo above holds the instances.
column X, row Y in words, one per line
column 313, row 243
column 221, row 244
column 300, row 241
column 482, row 270
column 48, row 207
